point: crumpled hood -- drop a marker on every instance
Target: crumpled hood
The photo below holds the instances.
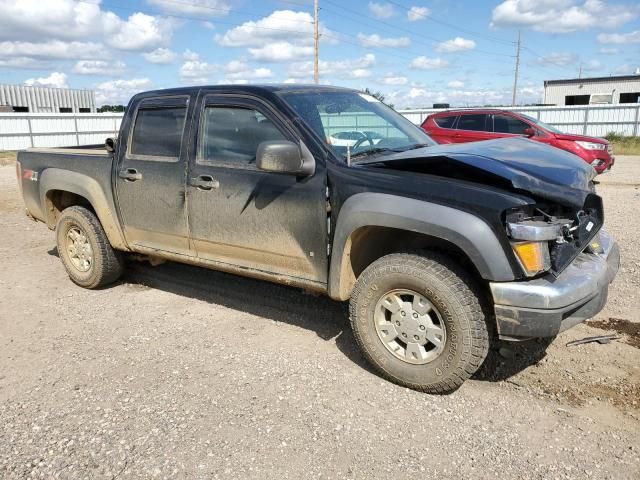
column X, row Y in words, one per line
column 545, row 171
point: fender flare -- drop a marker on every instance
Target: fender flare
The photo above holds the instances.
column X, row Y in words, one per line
column 89, row 188
column 468, row 232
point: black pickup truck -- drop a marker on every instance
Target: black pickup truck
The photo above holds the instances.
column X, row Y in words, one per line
column 438, row 248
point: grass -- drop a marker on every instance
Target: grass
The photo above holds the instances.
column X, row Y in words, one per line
column 624, row 145
column 7, row 158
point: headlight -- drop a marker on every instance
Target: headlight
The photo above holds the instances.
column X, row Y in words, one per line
column 534, row 256
column 592, row 145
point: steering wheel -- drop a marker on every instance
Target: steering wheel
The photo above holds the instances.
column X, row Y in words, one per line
column 361, row 141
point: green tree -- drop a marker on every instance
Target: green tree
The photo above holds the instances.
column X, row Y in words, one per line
column 379, row 95
column 111, row 108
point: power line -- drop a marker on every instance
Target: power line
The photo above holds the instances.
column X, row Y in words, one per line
column 404, row 30
column 455, row 27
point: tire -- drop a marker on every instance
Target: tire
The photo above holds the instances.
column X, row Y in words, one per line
column 97, row 264
column 454, row 320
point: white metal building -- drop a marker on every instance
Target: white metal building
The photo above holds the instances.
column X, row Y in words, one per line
column 593, row 91
column 23, row 98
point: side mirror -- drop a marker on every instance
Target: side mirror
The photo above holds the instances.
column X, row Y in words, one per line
column 282, row 156
column 110, row 145
column 529, row 132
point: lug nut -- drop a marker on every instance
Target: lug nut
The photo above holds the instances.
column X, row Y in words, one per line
column 404, row 335
column 398, row 323
column 403, row 313
column 421, row 327
column 415, row 315
column 416, row 337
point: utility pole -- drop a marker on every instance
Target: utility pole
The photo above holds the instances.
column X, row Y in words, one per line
column 580, row 71
column 515, row 77
column 316, row 43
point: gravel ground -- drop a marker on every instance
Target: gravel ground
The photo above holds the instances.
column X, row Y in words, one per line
column 180, row 372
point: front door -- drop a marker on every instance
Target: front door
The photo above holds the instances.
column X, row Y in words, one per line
column 245, row 217
column 151, row 176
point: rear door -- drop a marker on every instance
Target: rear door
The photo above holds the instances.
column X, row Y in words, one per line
column 473, row 127
column 151, row 174
column 245, row 217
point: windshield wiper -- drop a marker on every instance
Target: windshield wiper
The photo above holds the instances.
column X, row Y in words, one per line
column 414, row 146
column 371, row 151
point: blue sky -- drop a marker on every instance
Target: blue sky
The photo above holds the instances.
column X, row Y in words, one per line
column 415, row 52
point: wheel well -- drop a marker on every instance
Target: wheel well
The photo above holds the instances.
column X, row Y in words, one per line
column 367, row 244
column 58, row 200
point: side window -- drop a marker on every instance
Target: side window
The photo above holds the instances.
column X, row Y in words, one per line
column 475, row 122
column 158, row 130
column 509, row 124
column 445, row 122
column 231, row 135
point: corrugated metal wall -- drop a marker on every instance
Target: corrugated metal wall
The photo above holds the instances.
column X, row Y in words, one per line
column 594, row 120
column 20, row 130
column 555, row 94
column 46, row 100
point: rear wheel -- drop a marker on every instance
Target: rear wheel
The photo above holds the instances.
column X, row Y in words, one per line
column 84, row 249
column 419, row 322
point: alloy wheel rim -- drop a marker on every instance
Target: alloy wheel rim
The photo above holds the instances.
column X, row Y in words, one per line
column 79, row 249
column 410, row 326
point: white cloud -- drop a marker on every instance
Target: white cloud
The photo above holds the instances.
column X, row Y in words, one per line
column 561, row 16
column 161, row 56
column 197, row 71
column 425, row 63
column 241, row 70
column 394, row 80
column 457, row 44
column 417, row 13
column 190, row 55
column 557, row 59
column 592, row 65
column 283, row 35
column 609, row 50
column 624, row 69
column 455, row 84
column 348, row 68
column 99, row 67
column 208, row 8
column 120, row 91
column 620, row 38
column 376, row 40
column 381, row 10
column 52, row 49
column 280, row 52
column 39, row 21
column 26, row 63
column 55, row 80
column 417, row 97
column 142, row 32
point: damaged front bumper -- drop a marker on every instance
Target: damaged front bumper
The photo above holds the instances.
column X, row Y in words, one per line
column 546, row 306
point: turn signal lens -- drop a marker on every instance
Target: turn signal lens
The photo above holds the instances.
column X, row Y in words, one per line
column 533, row 256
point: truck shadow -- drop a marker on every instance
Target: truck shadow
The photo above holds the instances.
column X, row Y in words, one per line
column 317, row 313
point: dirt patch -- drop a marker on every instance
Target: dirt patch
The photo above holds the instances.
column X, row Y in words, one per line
column 7, row 158
column 630, row 329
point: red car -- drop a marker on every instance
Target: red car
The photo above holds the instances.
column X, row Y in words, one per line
column 459, row 126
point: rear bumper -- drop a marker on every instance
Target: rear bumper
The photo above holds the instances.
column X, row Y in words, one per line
column 546, row 306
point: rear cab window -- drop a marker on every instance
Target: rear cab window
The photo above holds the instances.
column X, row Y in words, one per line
column 158, row 129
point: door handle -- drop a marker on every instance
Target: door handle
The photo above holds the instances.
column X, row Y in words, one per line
column 130, row 174
column 204, row 182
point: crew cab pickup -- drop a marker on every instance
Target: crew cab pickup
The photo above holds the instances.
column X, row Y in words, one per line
column 439, row 248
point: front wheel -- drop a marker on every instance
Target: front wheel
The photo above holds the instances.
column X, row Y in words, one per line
column 419, row 322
